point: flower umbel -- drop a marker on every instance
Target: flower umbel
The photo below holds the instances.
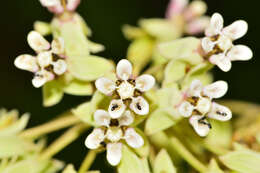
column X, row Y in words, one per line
column 198, row 105
column 56, row 6
column 218, row 43
column 49, row 61
column 127, row 90
column 110, row 134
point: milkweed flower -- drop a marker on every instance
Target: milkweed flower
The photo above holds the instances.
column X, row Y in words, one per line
column 128, row 90
column 56, row 6
column 49, row 61
column 111, row 133
column 192, row 14
column 218, row 43
column 198, row 105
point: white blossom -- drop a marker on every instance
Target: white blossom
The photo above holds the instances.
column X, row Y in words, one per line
column 198, row 105
column 218, row 43
column 126, row 88
column 57, row 7
column 49, row 61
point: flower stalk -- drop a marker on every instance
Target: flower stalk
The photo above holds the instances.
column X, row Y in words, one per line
column 87, row 162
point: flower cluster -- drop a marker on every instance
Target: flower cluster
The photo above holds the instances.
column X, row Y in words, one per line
column 49, row 61
column 198, row 105
column 218, row 43
column 57, row 7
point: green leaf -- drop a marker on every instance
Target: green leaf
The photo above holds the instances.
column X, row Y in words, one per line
column 242, row 161
column 89, row 68
column 145, row 149
column 160, row 28
column 79, row 88
column 85, row 113
column 185, row 49
column 52, row 93
column 146, row 165
column 159, row 120
column 130, row 163
column 213, row 167
column 163, row 163
column 69, row 169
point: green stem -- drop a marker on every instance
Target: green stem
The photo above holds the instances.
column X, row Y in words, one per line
column 187, row 155
column 68, row 137
column 90, row 157
column 51, row 126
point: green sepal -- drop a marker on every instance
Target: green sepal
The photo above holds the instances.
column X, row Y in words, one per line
column 78, row 88
column 131, row 32
column 163, row 163
column 52, row 93
column 213, row 167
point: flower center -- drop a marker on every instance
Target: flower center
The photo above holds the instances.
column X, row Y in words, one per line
column 125, row 90
column 203, row 105
column 114, row 134
column 224, row 43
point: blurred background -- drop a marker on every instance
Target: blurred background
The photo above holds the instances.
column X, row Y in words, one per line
column 106, row 17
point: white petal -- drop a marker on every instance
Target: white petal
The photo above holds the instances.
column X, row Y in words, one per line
column 44, row 58
column 26, row 62
column 124, row 69
column 140, row 106
column 95, row 138
column 196, row 9
column 216, row 25
column 104, row 85
column 186, row 109
column 207, row 44
column 41, row 78
column 102, row 118
column 58, row 9
column 198, row 25
column 49, row 3
column 116, row 108
column 216, row 90
column 133, row 139
column 236, row 30
column 195, row 88
column 203, row 105
column 240, row 53
column 72, row 4
column 37, row 42
column 176, row 7
column 59, row 67
column 126, row 119
column 145, row 82
column 114, row 153
column 223, row 62
column 200, row 125
column 220, row 112
column 57, row 46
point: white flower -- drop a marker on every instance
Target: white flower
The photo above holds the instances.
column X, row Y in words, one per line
column 127, row 89
column 198, row 105
column 56, row 6
column 110, row 134
column 49, row 61
column 218, row 43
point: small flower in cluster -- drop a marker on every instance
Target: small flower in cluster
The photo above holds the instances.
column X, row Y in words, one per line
column 126, row 90
column 49, row 61
column 56, row 6
column 198, row 105
column 192, row 14
column 111, row 133
column 218, row 43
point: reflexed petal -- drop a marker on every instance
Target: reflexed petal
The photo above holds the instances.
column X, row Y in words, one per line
column 200, row 125
column 37, row 42
column 102, row 118
column 195, row 88
column 236, row 30
column 176, row 7
column 41, row 78
column 203, row 105
column 145, row 82
column 26, row 62
column 57, row 46
column 216, row 25
column 220, row 112
column 216, row 90
column 56, row 9
column 114, row 153
column 185, row 109
column 197, row 26
column 95, row 138
column 221, row 61
column 124, row 69
column 49, row 3
column 240, row 52
column 104, row 85
column 126, row 119
column 133, row 139
column 44, row 58
column 207, row 44
column 59, row 67
column 140, row 106
column 116, row 108
column 72, row 4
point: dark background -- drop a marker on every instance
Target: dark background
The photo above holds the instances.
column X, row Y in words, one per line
column 106, row 17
